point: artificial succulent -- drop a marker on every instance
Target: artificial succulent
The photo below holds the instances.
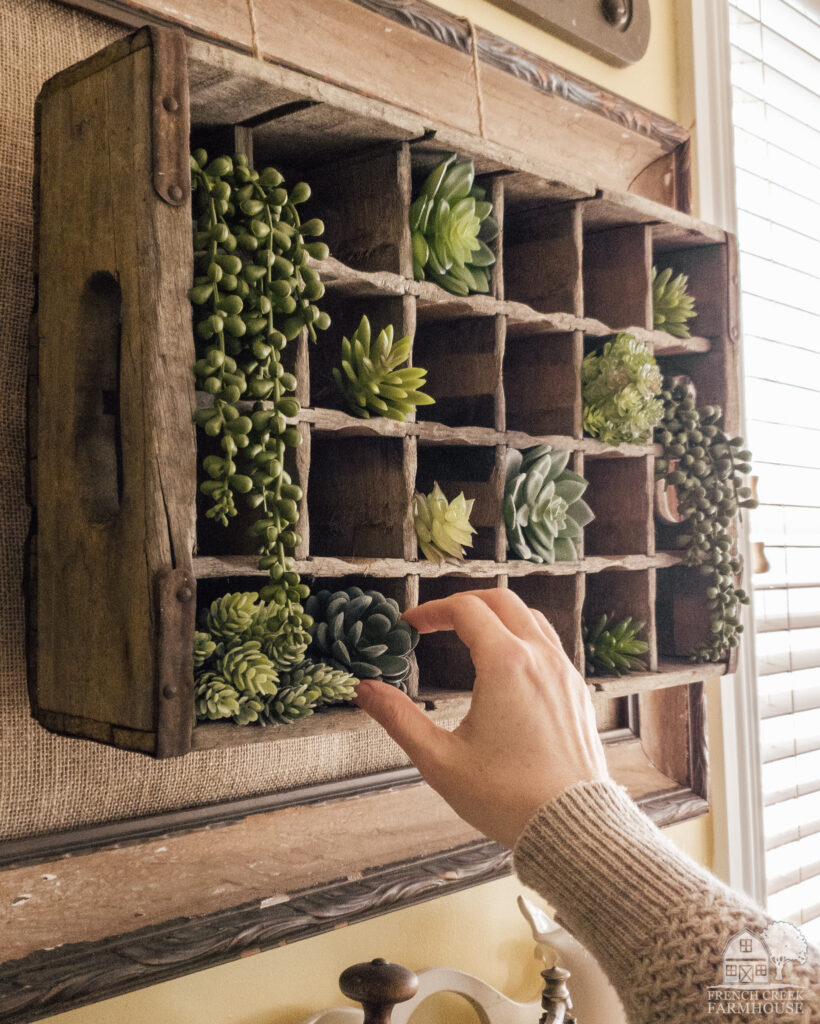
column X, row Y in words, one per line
column 372, row 379
column 672, row 305
column 621, row 386
column 443, row 528
column 544, row 511
column 451, row 223
column 613, row 648
column 362, row 632
column 308, row 686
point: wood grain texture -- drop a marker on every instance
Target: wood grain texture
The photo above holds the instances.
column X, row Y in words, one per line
column 617, row 276
column 114, row 390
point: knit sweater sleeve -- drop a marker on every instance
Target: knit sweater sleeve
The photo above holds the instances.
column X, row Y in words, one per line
column 656, row 922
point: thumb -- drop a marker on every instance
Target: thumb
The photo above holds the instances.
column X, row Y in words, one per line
column 402, row 720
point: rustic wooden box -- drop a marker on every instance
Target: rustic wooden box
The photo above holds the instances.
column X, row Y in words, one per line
column 120, row 562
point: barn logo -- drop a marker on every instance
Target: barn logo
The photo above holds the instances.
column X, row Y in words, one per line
column 755, row 973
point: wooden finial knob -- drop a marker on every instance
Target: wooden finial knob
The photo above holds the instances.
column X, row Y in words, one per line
column 378, row 986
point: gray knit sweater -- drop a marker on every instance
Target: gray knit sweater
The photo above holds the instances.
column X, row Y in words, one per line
column 654, row 919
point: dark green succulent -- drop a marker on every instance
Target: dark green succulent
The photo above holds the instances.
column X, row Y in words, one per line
column 612, row 648
column 451, row 223
column 362, row 632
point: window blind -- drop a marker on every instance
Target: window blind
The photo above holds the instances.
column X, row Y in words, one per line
column 775, row 58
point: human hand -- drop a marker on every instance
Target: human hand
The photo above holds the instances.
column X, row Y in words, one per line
column 530, row 731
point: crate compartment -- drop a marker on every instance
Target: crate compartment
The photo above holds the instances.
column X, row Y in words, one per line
column 345, row 314
column 576, row 464
column 463, row 363
column 707, row 267
column 621, row 494
column 542, row 382
column 478, row 472
column 683, row 620
column 617, row 276
column 359, row 496
column 560, row 599
column 444, row 661
column 618, row 594
column 214, row 539
column 542, row 259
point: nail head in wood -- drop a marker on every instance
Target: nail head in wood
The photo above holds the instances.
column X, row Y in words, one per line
column 617, row 12
column 184, row 594
column 169, row 692
column 378, row 986
column 170, row 104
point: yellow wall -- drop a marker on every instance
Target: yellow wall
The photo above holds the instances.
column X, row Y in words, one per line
column 479, row 930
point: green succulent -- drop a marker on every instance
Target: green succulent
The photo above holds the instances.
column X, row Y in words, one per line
column 251, row 709
column 672, row 305
column 442, row 527
column 248, row 669
column 370, row 379
column 204, row 648
column 544, row 512
column 621, row 387
column 363, row 633
column 214, row 697
column 613, row 648
column 289, row 704
column 332, row 685
column 451, row 223
column 232, row 616
column 283, row 638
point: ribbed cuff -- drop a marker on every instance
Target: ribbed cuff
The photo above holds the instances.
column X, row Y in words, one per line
column 610, row 874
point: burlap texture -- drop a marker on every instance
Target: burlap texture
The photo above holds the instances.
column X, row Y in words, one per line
column 47, row 782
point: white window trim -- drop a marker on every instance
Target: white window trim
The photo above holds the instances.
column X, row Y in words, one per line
column 741, row 834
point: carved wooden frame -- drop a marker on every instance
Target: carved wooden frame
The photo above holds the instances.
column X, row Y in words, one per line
column 49, row 981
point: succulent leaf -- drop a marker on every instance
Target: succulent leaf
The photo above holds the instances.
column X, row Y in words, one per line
column 370, row 379
column 543, row 508
column 361, row 633
column 621, row 387
column 451, row 224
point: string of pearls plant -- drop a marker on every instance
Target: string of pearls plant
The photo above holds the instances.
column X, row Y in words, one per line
column 253, row 293
column 707, row 467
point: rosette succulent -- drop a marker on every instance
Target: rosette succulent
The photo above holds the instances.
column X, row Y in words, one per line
column 442, row 527
column 621, row 392
column 308, row 686
column 671, row 303
column 613, row 648
column 451, row 223
column 248, row 669
column 544, row 512
column 363, row 633
column 371, row 380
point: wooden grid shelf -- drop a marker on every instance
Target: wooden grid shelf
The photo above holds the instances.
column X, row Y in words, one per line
column 573, row 266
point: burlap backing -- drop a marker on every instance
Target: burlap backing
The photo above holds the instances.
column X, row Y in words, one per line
column 48, row 782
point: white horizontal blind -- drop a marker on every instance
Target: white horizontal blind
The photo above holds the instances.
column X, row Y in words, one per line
column 776, row 113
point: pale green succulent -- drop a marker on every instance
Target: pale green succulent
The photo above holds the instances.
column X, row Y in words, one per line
column 442, row 528
column 231, row 615
column 214, row 697
column 451, row 224
column 672, row 305
column 204, row 648
column 544, row 512
column 248, row 669
column 621, row 388
column 332, row 685
column 372, row 379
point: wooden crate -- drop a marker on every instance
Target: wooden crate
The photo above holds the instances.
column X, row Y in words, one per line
column 121, row 562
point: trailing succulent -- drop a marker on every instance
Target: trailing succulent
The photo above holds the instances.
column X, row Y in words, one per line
column 544, row 512
column 672, row 305
column 621, row 387
column 451, row 223
column 252, row 295
column 371, row 380
column 442, row 528
column 239, row 673
column 707, row 468
column 613, row 648
column 363, row 633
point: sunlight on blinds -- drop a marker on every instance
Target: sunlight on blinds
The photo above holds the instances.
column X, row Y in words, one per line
column 776, row 114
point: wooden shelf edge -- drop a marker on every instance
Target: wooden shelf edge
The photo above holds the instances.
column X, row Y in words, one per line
column 671, row 672
column 218, row 566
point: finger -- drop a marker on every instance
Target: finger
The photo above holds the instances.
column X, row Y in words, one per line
column 473, row 621
column 403, row 720
column 547, row 628
column 513, row 612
